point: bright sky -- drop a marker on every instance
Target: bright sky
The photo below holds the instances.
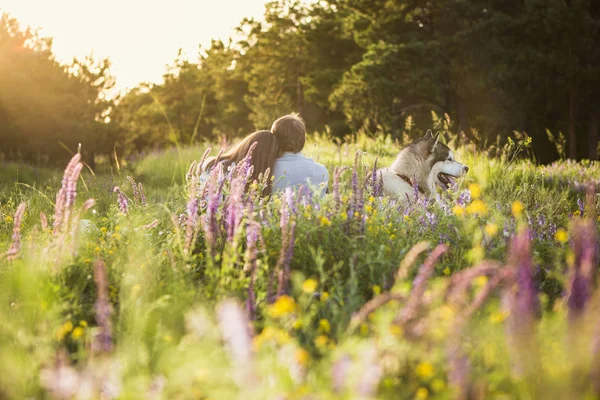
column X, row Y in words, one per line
column 139, row 36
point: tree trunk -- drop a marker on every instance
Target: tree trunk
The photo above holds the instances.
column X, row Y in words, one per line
column 463, row 116
column 593, row 134
column 92, row 160
column 572, row 134
column 300, row 97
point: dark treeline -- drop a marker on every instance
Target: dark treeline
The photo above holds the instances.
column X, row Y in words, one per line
column 494, row 66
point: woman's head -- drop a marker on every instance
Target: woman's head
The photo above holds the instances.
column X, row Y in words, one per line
column 263, row 157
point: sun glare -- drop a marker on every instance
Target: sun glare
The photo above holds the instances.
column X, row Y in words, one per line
column 140, row 37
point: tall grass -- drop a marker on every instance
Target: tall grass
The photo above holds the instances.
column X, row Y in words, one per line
column 204, row 291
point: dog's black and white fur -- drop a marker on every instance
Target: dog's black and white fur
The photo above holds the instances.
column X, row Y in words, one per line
column 426, row 164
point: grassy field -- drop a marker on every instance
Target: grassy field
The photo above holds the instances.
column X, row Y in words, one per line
column 174, row 290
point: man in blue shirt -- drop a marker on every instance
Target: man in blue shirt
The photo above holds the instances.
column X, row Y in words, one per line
column 292, row 168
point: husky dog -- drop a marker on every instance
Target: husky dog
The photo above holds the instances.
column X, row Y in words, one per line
column 423, row 165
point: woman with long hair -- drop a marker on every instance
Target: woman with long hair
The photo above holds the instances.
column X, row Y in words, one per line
column 264, row 154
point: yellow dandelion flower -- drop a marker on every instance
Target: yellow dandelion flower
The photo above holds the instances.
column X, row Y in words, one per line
column 498, row 317
column 480, row 281
column 77, row 333
column 422, row 393
column 324, row 296
column 283, row 306
column 369, row 208
column 116, row 236
column 8, row 219
column 517, row 209
column 424, row 370
column 477, row 207
column 324, row 326
column 321, row 341
column 309, row 286
column 577, row 213
column 103, row 229
column 343, row 216
column 561, row 235
column 302, row 357
column 447, row 271
column 475, row 190
column 371, row 199
column 376, row 290
column 324, row 221
column 83, row 323
column 117, row 228
column 97, row 249
column 396, row 330
column 406, row 218
column 459, row 211
column 491, row 229
column 297, row 324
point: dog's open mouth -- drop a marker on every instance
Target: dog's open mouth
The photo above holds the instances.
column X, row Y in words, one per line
column 446, row 181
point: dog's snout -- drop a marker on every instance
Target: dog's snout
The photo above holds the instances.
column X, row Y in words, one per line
column 466, row 169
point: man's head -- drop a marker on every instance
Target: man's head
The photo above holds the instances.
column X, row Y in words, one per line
column 290, row 132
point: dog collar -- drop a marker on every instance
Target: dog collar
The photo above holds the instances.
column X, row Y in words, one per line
column 410, row 182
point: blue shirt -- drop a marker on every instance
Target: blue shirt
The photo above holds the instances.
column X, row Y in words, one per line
column 293, row 169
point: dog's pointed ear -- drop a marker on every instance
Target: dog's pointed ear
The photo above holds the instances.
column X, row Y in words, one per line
column 437, row 140
column 428, row 134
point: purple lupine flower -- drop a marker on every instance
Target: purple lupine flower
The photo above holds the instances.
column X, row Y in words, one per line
column 458, row 363
column 371, row 376
column 142, row 194
column 136, row 194
column 122, row 200
column 252, row 234
column 236, row 333
column 214, row 189
column 523, row 307
column 374, row 181
column 60, row 379
column 235, row 206
column 71, row 192
column 288, row 231
column 339, row 373
column 15, row 246
column 289, row 198
column 581, row 206
column 461, row 281
column 66, row 194
column 581, row 282
column 200, row 165
column 102, row 341
column 411, row 309
column 526, row 306
column 431, row 217
column 189, row 177
column 336, row 188
column 191, row 224
column 43, row 221
column 464, row 198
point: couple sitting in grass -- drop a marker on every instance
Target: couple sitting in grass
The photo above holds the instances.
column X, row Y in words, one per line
column 278, row 151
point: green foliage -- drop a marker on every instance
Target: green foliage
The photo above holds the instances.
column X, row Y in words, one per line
column 44, row 104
